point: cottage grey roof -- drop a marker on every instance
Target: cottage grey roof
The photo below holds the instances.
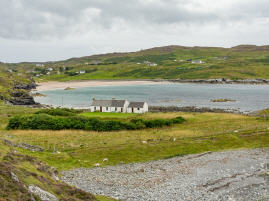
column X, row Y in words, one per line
column 108, row 103
column 136, row 104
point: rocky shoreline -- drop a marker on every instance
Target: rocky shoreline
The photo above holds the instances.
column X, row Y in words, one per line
column 191, row 109
column 220, row 81
column 20, row 95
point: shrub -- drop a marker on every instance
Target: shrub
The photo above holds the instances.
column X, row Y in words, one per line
column 48, row 122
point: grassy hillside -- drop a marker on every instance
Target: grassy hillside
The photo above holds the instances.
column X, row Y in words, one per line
column 240, row 62
column 18, row 172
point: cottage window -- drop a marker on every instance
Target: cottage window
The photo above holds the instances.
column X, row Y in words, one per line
column 138, row 108
column 106, row 108
column 94, row 108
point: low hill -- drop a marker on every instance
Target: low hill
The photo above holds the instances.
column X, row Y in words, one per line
column 168, row 62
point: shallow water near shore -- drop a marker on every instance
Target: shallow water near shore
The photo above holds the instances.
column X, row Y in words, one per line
column 247, row 97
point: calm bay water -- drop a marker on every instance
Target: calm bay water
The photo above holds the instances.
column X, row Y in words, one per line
column 248, row 97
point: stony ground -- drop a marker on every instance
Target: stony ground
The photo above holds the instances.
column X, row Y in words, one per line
column 232, row 175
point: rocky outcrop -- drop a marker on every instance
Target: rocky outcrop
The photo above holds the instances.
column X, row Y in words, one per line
column 21, row 97
column 44, row 195
column 29, row 86
column 29, row 147
column 24, row 178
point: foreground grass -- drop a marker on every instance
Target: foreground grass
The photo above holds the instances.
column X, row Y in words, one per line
column 105, row 115
column 201, row 132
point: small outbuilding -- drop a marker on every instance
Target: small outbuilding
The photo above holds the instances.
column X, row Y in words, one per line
column 137, row 107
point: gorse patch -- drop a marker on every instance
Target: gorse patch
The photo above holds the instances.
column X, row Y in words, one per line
column 48, row 122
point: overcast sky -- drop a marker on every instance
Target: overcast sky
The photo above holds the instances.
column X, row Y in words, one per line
column 42, row 30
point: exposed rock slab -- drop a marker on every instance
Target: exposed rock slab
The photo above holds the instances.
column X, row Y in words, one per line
column 44, row 195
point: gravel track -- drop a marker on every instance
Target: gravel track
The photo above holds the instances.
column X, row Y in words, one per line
column 221, row 176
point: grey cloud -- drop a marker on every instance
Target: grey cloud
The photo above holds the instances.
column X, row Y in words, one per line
column 34, row 20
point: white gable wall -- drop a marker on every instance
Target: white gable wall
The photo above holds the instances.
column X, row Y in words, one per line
column 138, row 110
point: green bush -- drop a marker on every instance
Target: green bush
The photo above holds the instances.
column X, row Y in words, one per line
column 48, row 122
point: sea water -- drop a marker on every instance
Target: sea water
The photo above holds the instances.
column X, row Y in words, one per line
column 247, row 97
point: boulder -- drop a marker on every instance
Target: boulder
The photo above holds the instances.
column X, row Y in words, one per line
column 44, row 195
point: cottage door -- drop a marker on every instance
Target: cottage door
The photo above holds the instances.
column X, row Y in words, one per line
column 101, row 109
column 132, row 110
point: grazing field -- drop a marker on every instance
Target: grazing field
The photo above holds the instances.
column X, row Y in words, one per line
column 67, row 149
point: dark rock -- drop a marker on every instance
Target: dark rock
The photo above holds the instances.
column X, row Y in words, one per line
column 8, row 143
column 26, row 86
column 21, row 97
column 30, row 147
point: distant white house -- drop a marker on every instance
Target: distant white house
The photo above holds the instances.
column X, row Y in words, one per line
column 197, row 62
column 120, row 106
column 50, row 69
column 153, row 64
column 39, row 65
column 82, row 72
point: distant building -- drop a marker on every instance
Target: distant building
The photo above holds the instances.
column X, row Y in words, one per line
column 197, row 62
column 82, row 71
column 189, row 60
column 120, row 106
column 50, row 69
column 137, row 107
column 39, row 65
column 153, row 64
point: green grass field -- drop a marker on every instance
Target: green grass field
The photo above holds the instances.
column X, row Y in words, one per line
column 106, row 115
column 67, row 149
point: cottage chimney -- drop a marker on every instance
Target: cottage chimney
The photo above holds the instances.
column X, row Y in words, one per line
column 93, row 99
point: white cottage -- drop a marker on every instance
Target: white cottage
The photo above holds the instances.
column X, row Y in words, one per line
column 122, row 106
column 197, row 62
column 137, row 107
column 109, row 105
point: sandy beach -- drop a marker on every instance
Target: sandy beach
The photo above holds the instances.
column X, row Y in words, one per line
column 44, row 86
